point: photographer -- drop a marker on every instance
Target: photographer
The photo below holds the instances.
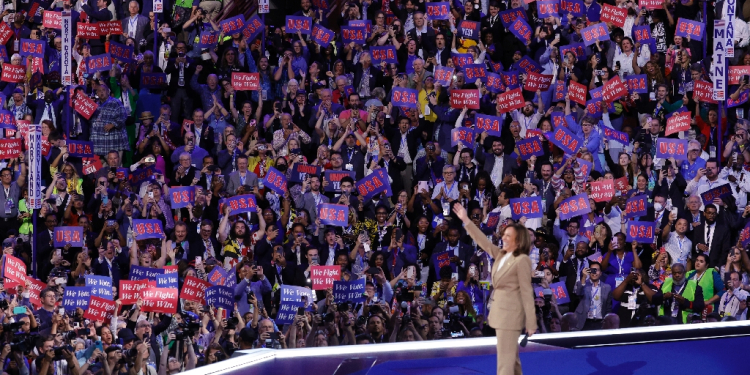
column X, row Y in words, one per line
column 52, row 360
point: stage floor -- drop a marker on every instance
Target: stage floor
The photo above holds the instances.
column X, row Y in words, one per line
column 677, row 350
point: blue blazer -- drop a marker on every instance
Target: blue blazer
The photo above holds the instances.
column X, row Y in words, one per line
column 408, row 255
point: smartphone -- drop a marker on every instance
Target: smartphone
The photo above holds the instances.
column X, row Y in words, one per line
column 197, row 260
column 19, row 310
column 536, row 280
column 300, row 310
column 423, row 186
column 274, row 336
column 60, row 281
column 674, row 211
column 151, row 194
column 454, row 276
column 197, row 176
column 58, row 252
column 105, row 199
column 61, row 311
column 410, row 272
column 150, row 159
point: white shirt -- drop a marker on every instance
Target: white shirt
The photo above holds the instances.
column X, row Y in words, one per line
column 678, row 249
column 497, row 171
column 503, row 260
column 709, row 231
column 451, row 190
column 613, row 219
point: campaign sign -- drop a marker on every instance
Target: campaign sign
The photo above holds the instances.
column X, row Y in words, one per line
column 30, row 47
column 321, row 35
column 677, row 123
column 100, row 309
column 636, row 84
column 208, row 39
column 528, row 65
column 565, row 139
column 462, row 59
column 443, row 75
column 574, row 7
column 614, row 89
column 334, row 180
column 367, row 24
column 13, row 73
column 650, row 4
column 122, row 173
column 88, row 30
column 130, row 290
column 745, row 235
column 742, row 99
column 690, row 29
column 194, row 289
column 462, row 135
column 468, row 30
column 83, row 149
column 474, row 72
column 297, row 23
column 510, row 100
column 384, row 53
column 594, row 33
column 147, row 228
column 529, row 146
column 558, row 289
column 84, row 105
column 295, row 293
column 246, row 81
column 220, row 296
column 243, row 203
column 577, row 49
column 153, row 80
column 142, row 174
column 602, row 191
column 720, row 192
column 574, row 206
column 323, row 276
column 217, row 276
column 636, row 206
column 530, row 207
column 535, row 81
column 511, row 79
column 521, row 29
column 509, row 16
column 496, row 67
column 110, row 27
column 613, row 15
column 52, row 20
column 160, row 300
column 253, row 27
column 577, row 92
column 14, row 269
column 5, row 33
column 10, row 148
column 75, row 297
column 561, row 90
column 438, row 11
column 333, row 214
column 372, row 185
column 275, row 181
column 68, row 235
column 494, row 83
column 671, row 148
column 401, row 97
column 234, row 25
column 350, row 34
column 614, row 135
column 621, row 184
column 465, row 98
column 736, row 73
column 139, row 273
column 548, row 8
column 301, row 171
column 101, row 286
column 349, row 291
column 35, row 289
column 121, row 52
column 641, row 231
column 91, row 165
column 287, row 312
column 493, row 125
column 182, row 196
column 442, row 259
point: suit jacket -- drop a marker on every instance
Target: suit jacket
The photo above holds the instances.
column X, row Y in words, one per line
column 511, row 283
column 488, row 161
column 100, row 268
column 233, row 181
column 198, row 248
column 407, row 255
column 720, row 243
column 426, row 41
column 570, row 269
column 307, row 201
column 290, row 275
column 465, row 252
column 412, row 141
column 226, row 162
column 141, row 24
column 207, row 137
column 174, row 70
column 394, row 169
column 585, row 293
column 676, row 191
column 39, row 106
column 375, row 76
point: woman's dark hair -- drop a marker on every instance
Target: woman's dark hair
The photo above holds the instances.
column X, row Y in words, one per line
column 523, row 241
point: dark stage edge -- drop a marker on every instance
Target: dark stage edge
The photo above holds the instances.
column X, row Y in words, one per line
column 712, row 347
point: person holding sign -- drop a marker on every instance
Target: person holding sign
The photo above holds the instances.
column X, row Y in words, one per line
column 512, row 284
column 631, row 59
column 618, row 262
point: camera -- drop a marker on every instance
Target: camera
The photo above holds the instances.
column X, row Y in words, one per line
column 188, row 327
column 9, row 327
column 22, row 342
column 3, row 305
column 453, row 328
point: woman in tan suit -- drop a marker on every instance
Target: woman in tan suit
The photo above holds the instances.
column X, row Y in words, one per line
column 512, row 307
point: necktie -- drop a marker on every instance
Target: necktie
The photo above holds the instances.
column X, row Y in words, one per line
column 708, row 238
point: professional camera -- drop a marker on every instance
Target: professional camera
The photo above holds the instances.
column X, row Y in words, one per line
column 453, row 328
column 188, row 327
column 23, row 342
column 405, row 317
column 59, row 352
column 3, row 304
column 232, row 322
column 11, row 327
column 344, row 307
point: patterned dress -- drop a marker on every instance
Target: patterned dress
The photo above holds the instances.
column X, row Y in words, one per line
column 110, row 112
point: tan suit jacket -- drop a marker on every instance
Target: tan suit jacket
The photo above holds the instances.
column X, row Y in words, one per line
column 513, row 297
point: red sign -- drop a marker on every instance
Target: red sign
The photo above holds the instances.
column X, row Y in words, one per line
column 613, row 15
column 92, row 165
column 163, row 300
column 100, row 309
column 110, row 27
column 89, row 30
column 170, row 269
column 602, row 191
column 465, row 98
column 736, row 72
column 46, row 146
column 246, row 81
column 323, row 276
column 52, row 20
column 84, row 105
column 5, row 33
column 14, row 269
column 621, row 184
column 677, row 123
column 650, row 4
column 130, row 290
column 535, row 81
column 194, row 289
column 703, row 90
column 13, row 73
column 614, row 89
column 510, row 100
column 10, row 148
column 577, row 92
column 35, row 291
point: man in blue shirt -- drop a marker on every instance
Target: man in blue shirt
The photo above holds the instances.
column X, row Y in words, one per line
column 690, row 168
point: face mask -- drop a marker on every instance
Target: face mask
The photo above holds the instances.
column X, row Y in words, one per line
column 281, row 167
column 658, row 207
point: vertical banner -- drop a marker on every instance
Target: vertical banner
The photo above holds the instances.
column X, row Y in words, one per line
column 66, row 62
column 718, row 67
column 35, row 167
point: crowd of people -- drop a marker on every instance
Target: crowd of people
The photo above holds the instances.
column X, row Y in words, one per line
column 330, row 106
